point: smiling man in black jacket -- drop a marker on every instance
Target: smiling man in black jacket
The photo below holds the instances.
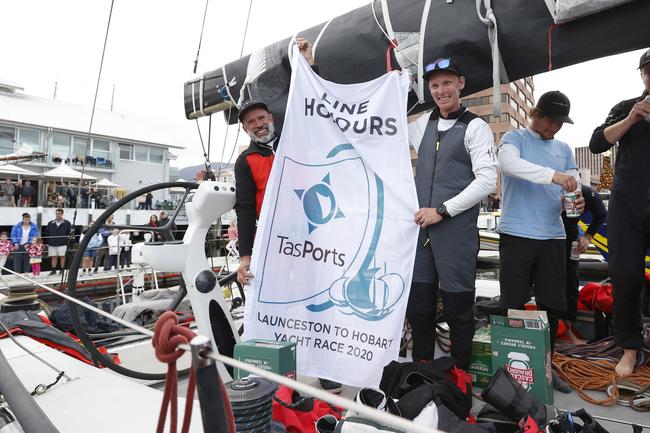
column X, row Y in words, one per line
column 628, row 124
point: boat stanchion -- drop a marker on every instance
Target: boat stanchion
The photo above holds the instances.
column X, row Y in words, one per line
column 216, row 411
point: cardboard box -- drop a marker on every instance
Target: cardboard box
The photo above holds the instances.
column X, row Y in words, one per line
column 521, row 344
column 480, row 363
column 276, row 356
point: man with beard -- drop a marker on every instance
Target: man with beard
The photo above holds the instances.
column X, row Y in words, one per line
column 253, row 167
column 252, row 170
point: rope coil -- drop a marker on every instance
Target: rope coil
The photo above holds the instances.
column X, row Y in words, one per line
column 168, row 336
column 598, row 375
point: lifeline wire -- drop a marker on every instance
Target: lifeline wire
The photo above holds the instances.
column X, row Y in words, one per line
column 19, row 344
column 382, row 417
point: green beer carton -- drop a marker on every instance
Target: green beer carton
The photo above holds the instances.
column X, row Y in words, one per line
column 480, row 363
column 276, row 356
column 521, row 344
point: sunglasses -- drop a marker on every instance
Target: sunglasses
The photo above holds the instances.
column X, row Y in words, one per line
column 438, row 64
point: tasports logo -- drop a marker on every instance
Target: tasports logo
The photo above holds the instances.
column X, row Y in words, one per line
column 319, row 204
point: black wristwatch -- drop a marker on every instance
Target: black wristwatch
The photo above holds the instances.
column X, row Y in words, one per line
column 442, row 211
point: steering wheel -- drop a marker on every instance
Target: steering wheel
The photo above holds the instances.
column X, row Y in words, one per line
column 165, row 231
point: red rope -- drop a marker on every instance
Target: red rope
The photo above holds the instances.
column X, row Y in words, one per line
column 550, row 45
column 168, row 334
column 389, row 61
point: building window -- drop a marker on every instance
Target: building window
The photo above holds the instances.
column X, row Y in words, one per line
column 514, row 123
column 126, row 151
column 30, row 137
column 156, row 155
column 101, row 149
column 60, row 145
column 79, row 148
column 141, row 153
column 505, row 98
column 513, row 86
column 7, row 140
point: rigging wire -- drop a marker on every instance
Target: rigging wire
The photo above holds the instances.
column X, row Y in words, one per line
column 198, row 50
column 87, row 150
column 241, row 53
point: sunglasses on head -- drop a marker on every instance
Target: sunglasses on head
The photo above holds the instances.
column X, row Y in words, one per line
column 438, row 64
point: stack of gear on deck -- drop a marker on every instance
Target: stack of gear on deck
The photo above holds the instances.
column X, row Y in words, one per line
column 300, row 414
column 433, row 394
column 20, row 298
column 252, row 404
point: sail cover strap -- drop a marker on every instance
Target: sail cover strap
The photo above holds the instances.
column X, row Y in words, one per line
column 570, row 10
column 498, row 68
column 320, row 35
column 423, row 30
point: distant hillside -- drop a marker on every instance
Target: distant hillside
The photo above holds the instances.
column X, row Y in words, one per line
column 188, row 173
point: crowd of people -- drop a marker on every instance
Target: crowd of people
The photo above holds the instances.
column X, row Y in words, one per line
column 24, row 193
column 108, row 248
column 457, row 170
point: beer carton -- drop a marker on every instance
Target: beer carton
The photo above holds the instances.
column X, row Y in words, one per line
column 480, row 363
column 276, row 356
column 521, row 344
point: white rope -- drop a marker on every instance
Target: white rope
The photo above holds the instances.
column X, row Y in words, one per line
column 320, row 35
column 388, row 37
column 367, row 411
column 498, row 68
column 423, row 29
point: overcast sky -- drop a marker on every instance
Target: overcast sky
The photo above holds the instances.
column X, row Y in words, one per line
column 152, row 46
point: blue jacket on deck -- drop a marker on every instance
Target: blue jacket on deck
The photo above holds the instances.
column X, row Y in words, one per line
column 17, row 233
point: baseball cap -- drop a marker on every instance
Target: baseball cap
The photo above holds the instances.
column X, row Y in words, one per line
column 555, row 105
column 444, row 64
column 645, row 59
column 249, row 105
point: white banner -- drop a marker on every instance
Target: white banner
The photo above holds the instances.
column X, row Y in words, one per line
column 335, row 243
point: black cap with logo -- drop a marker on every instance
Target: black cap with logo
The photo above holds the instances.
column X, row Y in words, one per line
column 555, row 105
column 249, row 105
column 645, row 59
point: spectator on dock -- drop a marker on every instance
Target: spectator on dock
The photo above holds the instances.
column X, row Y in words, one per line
column 91, row 250
column 102, row 251
column 35, row 251
column 22, row 234
column 56, row 235
column 71, row 195
column 6, row 247
column 113, row 248
column 26, row 192
column 9, row 190
column 164, row 219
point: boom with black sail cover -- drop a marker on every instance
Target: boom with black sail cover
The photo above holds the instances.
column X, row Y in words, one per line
column 354, row 48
